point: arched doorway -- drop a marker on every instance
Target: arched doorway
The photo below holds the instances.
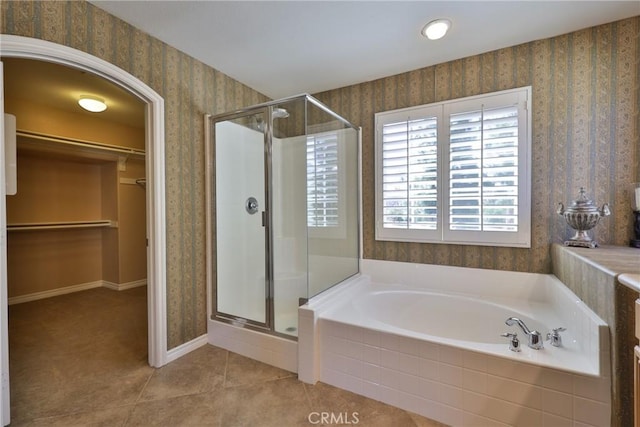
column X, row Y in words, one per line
column 30, row 48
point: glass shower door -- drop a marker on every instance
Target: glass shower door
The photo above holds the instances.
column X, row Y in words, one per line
column 241, row 242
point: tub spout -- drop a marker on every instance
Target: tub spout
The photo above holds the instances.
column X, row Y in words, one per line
column 535, row 337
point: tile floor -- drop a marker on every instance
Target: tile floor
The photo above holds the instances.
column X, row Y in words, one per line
column 81, row 360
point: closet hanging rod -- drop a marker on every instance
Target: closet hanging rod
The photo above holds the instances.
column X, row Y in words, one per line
column 61, row 225
column 80, row 143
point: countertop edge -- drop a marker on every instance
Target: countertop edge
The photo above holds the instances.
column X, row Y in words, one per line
column 627, row 274
column 630, row 280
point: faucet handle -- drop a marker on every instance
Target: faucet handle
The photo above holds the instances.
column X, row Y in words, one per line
column 554, row 336
column 514, row 343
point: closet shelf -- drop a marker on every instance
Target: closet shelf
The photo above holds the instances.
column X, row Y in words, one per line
column 27, row 226
column 34, row 141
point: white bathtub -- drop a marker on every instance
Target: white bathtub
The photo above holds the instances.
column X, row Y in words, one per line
column 427, row 339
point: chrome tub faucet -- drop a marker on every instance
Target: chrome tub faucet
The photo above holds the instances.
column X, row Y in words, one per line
column 535, row 337
column 554, row 336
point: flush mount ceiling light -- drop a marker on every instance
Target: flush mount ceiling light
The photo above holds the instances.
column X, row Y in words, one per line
column 92, row 103
column 437, row 29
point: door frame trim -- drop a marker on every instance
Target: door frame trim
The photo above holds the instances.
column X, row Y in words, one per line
column 32, row 48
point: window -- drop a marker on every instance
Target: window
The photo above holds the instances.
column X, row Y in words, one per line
column 325, row 185
column 322, row 180
column 456, row 171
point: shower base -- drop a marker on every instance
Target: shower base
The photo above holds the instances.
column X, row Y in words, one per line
column 270, row 349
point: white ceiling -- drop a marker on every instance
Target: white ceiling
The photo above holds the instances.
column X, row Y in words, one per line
column 60, row 87
column 283, row 48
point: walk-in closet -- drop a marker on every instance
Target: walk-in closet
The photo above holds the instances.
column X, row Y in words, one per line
column 76, row 238
column 78, row 219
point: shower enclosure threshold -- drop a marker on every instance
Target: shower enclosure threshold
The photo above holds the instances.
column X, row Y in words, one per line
column 270, row 349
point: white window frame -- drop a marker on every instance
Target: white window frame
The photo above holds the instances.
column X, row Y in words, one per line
column 442, row 234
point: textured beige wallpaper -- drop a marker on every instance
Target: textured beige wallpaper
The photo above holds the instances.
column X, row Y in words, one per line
column 586, row 114
column 190, row 90
column 585, row 132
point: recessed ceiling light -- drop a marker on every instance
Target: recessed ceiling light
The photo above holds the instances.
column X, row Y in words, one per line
column 92, row 103
column 437, row 29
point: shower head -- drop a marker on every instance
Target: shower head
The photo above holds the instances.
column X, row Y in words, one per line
column 279, row 113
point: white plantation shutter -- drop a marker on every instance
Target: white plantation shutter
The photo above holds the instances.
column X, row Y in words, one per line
column 483, row 170
column 469, row 157
column 409, row 174
column 322, row 181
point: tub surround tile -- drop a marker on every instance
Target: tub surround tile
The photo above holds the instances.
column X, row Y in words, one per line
column 500, row 410
column 502, row 391
column 590, row 411
column 450, row 395
column 549, row 420
column 470, row 419
column 514, row 391
column 474, row 381
column 476, row 361
column 327, row 398
column 371, row 354
column 557, row 403
column 450, row 355
column 592, row 388
column 449, row 374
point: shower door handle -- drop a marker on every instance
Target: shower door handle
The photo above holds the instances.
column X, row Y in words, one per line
column 251, row 205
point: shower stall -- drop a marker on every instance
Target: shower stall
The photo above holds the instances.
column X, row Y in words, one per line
column 283, row 196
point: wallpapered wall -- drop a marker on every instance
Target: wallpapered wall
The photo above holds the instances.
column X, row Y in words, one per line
column 586, row 119
column 190, row 89
column 585, row 132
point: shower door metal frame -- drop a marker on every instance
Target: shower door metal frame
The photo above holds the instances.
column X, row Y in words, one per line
column 267, row 108
column 210, row 138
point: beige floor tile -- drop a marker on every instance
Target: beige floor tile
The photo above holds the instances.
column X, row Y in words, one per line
column 200, row 410
column 81, row 360
column 77, row 352
column 242, row 371
column 368, row 412
column 59, row 398
column 99, row 418
column 181, row 379
column 277, row 403
column 425, row 422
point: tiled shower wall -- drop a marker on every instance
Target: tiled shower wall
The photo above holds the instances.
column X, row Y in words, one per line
column 586, row 115
column 190, row 89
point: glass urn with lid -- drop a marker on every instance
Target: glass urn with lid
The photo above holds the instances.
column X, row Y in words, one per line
column 582, row 215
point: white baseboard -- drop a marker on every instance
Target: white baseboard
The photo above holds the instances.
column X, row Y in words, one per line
column 55, row 292
column 76, row 288
column 186, row 348
column 124, row 286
